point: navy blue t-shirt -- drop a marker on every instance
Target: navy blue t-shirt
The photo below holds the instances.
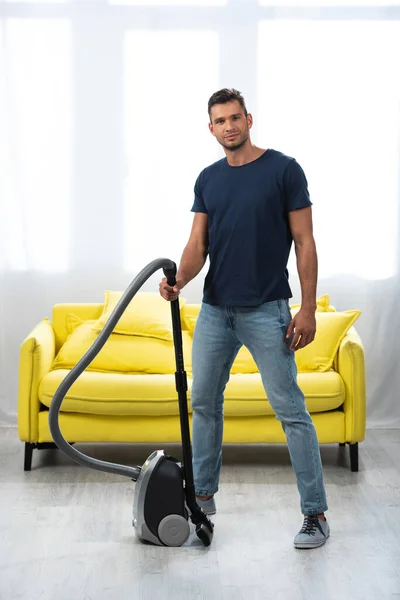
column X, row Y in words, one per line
column 249, row 234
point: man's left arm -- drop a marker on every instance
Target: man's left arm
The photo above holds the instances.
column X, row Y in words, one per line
column 303, row 323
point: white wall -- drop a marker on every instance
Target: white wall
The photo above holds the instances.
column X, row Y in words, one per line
column 103, row 129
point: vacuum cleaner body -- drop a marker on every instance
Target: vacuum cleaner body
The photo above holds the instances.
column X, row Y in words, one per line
column 160, row 515
column 164, row 493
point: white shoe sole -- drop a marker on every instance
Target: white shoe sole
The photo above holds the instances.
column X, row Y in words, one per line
column 310, row 546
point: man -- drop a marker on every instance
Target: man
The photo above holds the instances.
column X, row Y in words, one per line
column 249, row 207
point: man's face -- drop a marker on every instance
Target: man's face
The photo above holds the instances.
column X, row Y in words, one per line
column 230, row 125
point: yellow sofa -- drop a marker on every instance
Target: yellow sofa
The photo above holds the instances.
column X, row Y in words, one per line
column 127, row 394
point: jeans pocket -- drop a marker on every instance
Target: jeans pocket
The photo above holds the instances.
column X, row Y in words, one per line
column 286, row 318
column 286, row 310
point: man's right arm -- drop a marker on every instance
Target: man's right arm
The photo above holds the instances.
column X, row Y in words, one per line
column 193, row 257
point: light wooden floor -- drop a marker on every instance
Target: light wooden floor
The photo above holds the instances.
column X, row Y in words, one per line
column 66, row 534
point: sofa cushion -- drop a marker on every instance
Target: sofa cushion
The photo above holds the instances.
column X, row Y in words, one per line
column 113, row 393
column 147, row 315
column 155, row 395
column 121, row 353
column 245, row 395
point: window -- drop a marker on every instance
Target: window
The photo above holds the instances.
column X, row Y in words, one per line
column 38, row 132
column 36, row 1
column 333, row 3
column 167, row 141
column 335, row 108
column 170, row 2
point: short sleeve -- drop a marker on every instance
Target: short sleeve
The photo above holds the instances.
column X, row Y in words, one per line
column 295, row 187
column 198, row 204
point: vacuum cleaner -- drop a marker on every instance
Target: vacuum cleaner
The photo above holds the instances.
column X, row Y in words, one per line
column 164, row 491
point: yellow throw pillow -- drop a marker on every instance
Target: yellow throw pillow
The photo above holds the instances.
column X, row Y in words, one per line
column 322, row 305
column 73, row 321
column 331, row 329
column 121, row 353
column 244, row 361
column 189, row 314
column 147, row 315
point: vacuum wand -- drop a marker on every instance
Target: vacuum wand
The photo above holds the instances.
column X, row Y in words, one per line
column 181, row 388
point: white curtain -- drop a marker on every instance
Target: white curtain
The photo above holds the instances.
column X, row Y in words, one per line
column 103, row 130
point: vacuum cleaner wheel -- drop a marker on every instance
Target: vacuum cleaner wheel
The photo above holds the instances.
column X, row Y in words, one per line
column 173, row 530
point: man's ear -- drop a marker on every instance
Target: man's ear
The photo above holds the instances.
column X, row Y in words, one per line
column 249, row 120
column 211, row 128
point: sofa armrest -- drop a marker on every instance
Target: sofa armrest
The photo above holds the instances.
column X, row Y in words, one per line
column 37, row 353
column 351, row 367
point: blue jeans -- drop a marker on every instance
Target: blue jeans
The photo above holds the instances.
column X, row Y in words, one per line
column 218, row 336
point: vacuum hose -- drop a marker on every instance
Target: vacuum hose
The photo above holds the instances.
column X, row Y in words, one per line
column 169, row 268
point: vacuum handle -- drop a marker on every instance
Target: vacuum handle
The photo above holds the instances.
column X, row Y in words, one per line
column 170, row 274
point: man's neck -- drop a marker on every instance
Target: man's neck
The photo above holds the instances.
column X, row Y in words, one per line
column 242, row 156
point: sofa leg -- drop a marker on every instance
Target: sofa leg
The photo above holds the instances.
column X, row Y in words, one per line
column 29, row 448
column 342, row 445
column 28, row 455
column 354, row 456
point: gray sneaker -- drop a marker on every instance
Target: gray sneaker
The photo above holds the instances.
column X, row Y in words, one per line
column 208, row 506
column 313, row 534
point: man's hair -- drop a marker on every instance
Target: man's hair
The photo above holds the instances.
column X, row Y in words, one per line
column 226, row 95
